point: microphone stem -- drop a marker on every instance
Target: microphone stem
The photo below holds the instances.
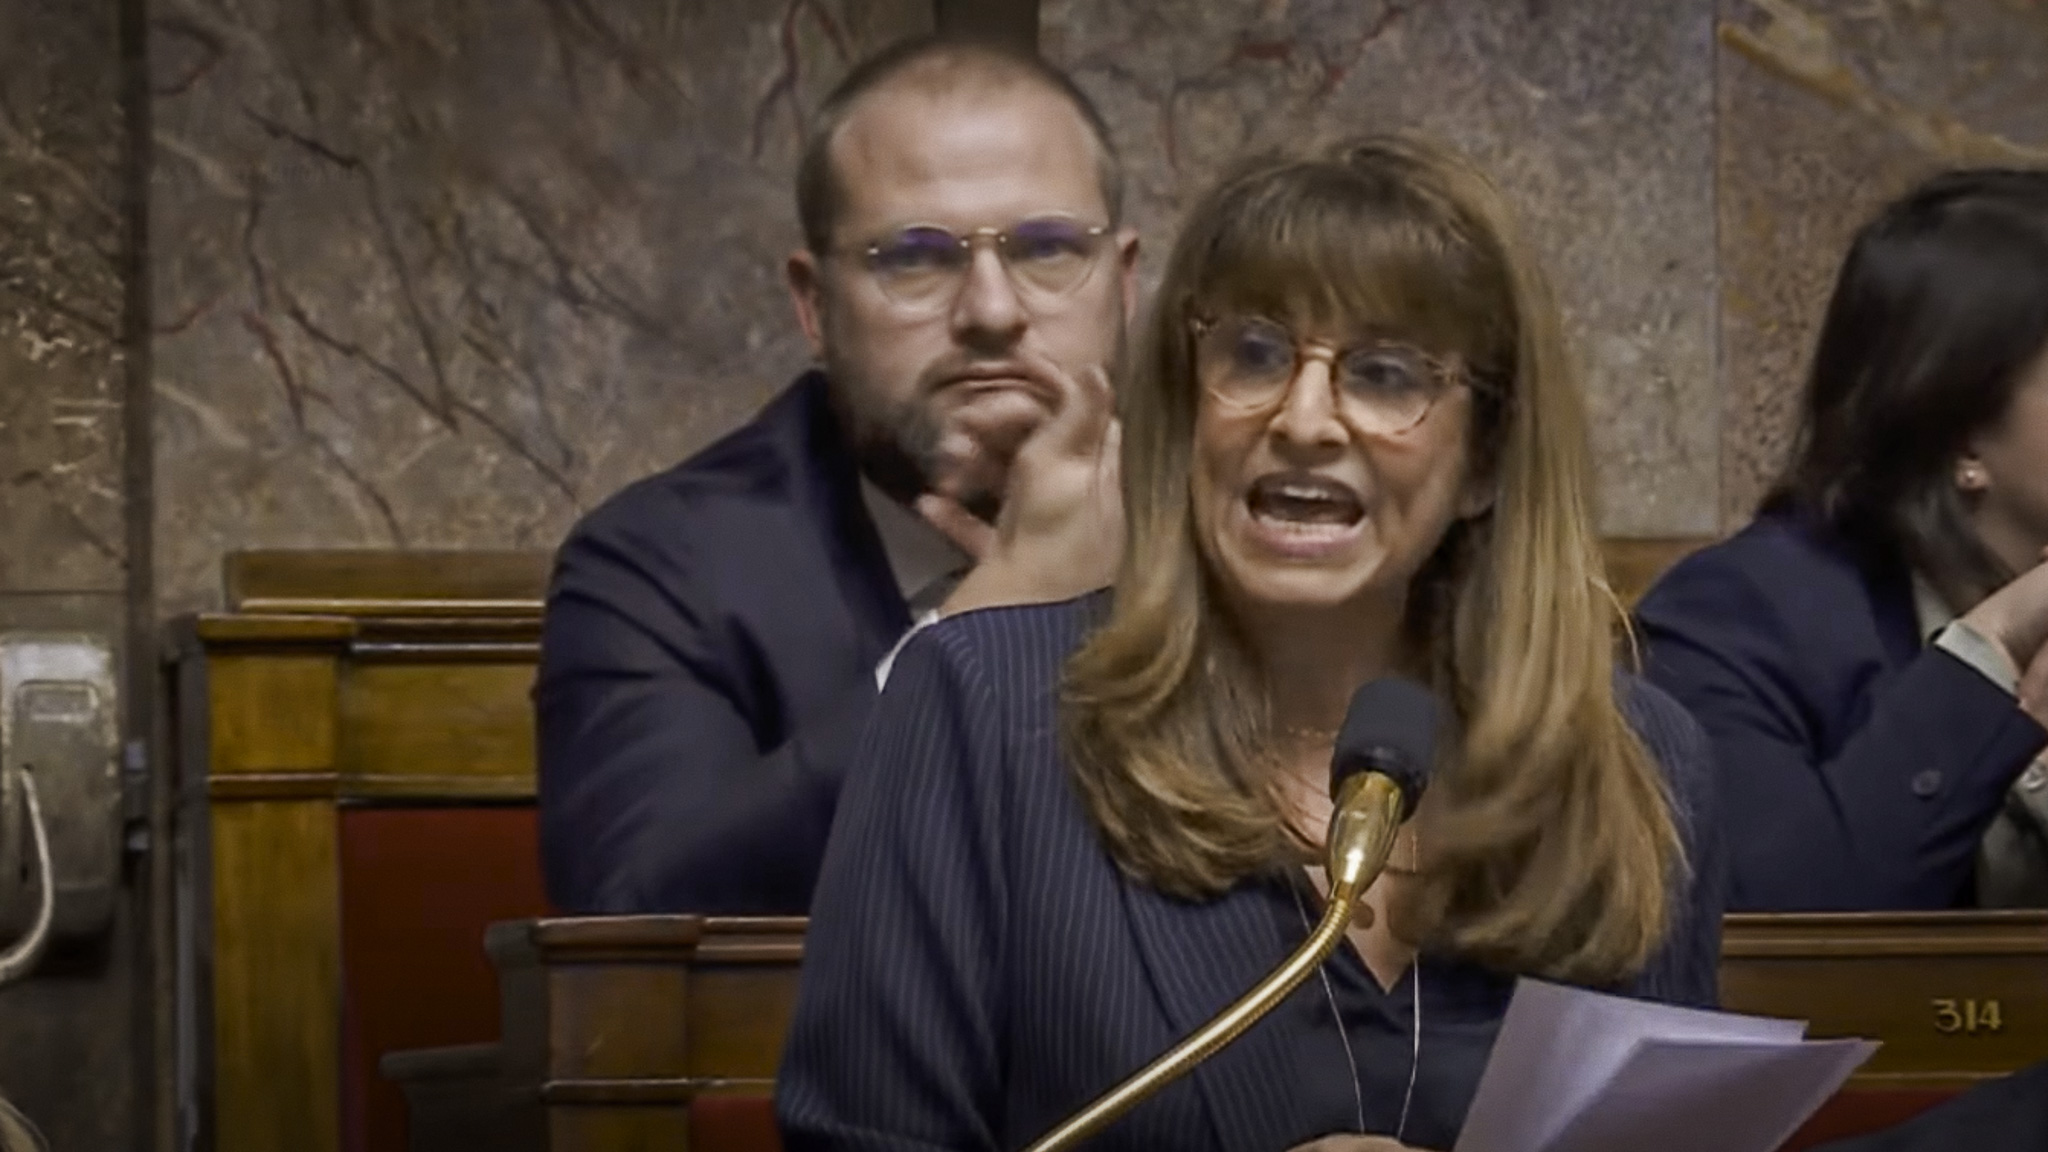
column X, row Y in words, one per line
column 1362, row 828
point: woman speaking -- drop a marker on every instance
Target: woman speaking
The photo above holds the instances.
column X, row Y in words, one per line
column 1351, row 447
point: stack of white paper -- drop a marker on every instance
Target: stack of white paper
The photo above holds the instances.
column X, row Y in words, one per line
column 1578, row 1071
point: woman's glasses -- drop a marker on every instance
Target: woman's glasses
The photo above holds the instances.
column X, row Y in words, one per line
column 1383, row 387
column 921, row 268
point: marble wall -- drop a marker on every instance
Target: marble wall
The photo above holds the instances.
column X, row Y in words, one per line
column 1824, row 112
column 448, row 272
column 1597, row 117
column 445, row 274
column 71, row 1040
column 60, row 299
column 1690, row 169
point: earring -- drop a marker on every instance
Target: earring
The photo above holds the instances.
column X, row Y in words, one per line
column 1970, row 478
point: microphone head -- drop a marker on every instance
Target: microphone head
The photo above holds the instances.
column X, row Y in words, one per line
column 1391, row 729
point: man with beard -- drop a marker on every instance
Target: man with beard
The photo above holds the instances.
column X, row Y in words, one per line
column 716, row 634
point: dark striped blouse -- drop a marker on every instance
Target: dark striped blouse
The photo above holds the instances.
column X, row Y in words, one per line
column 978, row 968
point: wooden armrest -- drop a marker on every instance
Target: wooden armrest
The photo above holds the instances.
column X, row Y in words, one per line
column 455, row 1062
column 456, row 1099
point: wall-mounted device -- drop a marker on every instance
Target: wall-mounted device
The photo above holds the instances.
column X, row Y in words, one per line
column 60, row 791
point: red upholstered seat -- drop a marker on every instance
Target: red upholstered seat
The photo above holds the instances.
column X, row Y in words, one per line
column 418, row 887
column 1854, row 1111
column 734, row 1124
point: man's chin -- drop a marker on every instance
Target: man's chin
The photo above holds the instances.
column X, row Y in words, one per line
column 983, row 506
column 995, row 416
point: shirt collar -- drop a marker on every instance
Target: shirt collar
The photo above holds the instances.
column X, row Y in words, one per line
column 1930, row 611
column 919, row 555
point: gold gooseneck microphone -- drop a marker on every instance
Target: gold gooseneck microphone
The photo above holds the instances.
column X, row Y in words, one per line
column 1384, row 752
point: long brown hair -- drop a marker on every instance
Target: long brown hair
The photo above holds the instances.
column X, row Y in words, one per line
column 1550, row 844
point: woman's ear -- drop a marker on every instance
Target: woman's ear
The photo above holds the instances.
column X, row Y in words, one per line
column 1480, row 493
column 1971, row 475
column 1476, row 502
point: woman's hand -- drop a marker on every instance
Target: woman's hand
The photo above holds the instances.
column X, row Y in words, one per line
column 1353, row 1144
column 2033, row 689
column 2016, row 619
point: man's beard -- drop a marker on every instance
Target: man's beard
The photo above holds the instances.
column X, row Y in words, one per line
column 897, row 448
column 900, row 445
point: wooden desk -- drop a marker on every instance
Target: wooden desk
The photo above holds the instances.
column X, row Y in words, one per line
column 1634, row 562
column 1957, row 997
column 645, row 1032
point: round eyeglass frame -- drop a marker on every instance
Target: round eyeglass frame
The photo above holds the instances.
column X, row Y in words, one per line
column 956, row 279
column 1447, row 372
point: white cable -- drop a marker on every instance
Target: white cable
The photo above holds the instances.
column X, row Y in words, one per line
column 16, row 1133
column 17, row 960
column 1415, row 1055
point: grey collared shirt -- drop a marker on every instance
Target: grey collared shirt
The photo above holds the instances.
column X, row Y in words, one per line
column 925, row 563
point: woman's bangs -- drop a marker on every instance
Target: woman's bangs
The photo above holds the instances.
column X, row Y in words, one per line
column 1331, row 260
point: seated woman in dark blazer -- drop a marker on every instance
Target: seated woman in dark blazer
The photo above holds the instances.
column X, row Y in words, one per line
column 1869, row 739
column 1351, row 447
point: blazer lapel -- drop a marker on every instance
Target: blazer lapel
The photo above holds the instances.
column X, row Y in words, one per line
column 1200, row 958
column 817, row 452
column 1898, row 623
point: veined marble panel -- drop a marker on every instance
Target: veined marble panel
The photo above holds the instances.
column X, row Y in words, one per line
column 447, row 272
column 61, row 291
column 1828, row 109
column 1596, row 117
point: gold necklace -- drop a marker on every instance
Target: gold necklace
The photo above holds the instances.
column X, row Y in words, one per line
column 1308, row 735
column 1344, row 1034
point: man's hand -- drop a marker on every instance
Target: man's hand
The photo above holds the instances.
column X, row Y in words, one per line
column 980, row 434
column 1060, row 532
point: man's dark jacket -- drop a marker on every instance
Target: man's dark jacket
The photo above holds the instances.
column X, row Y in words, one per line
column 707, row 667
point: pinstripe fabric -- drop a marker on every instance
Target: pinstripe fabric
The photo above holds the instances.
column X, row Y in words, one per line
column 977, row 968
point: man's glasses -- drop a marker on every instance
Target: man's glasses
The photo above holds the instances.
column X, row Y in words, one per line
column 1383, row 387
column 921, row 268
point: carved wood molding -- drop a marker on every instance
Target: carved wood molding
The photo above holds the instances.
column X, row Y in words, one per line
column 643, row 1091
column 1852, row 934
column 361, row 582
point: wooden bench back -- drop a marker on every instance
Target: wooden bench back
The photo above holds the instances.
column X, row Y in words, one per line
column 357, row 742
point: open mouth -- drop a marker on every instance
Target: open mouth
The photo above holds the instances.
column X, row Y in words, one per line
column 1302, row 501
